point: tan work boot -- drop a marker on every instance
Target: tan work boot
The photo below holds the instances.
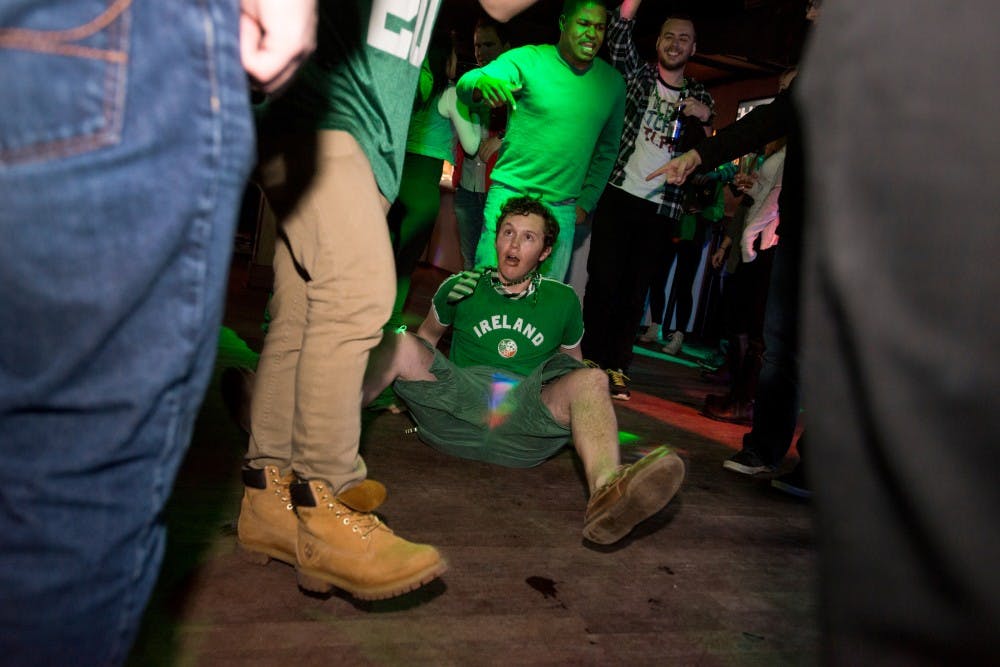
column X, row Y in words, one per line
column 635, row 493
column 267, row 527
column 342, row 543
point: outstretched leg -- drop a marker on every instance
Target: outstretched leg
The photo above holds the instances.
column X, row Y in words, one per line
column 581, row 399
column 621, row 497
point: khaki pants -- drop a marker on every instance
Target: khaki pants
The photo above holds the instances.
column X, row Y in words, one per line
column 334, row 285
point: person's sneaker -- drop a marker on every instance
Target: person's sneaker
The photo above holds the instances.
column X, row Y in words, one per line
column 635, row 493
column 342, row 543
column 651, row 334
column 793, row 483
column 267, row 527
column 728, row 409
column 674, row 343
column 746, row 462
column 618, row 385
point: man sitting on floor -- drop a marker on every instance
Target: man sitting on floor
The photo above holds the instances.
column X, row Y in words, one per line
column 515, row 390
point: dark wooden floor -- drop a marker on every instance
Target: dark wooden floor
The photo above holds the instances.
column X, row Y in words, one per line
column 725, row 575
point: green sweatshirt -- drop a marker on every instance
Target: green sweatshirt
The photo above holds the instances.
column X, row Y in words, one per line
column 562, row 141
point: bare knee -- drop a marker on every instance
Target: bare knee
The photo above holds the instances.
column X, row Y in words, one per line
column 583, row 385
column 580, row 382
column 593, row 381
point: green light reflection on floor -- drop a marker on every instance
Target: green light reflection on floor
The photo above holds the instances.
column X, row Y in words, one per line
column 653, row 354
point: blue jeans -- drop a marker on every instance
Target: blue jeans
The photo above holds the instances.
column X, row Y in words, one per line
column 469, row 207
column 122, row 163
column 776, row 406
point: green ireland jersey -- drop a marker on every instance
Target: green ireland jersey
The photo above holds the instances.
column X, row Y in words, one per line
column 361, row 79
column 489, row 329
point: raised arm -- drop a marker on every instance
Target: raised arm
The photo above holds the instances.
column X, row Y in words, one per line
column 504, row 10
column 621, row 47
column 629, row 8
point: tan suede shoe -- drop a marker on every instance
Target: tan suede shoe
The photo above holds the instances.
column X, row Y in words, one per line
column 267, row 527
column 635, row 493
column 342, row 543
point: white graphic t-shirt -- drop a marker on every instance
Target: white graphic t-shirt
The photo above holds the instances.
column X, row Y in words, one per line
column 652, row 144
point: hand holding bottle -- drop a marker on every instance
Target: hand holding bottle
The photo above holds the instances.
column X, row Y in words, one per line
column 744, row 182
column 694, row 108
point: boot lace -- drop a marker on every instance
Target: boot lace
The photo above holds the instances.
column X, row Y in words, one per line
column 618, row 378
column 282, row 489
column 363, row 523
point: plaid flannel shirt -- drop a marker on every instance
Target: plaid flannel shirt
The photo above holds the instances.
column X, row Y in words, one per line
column 640, row 77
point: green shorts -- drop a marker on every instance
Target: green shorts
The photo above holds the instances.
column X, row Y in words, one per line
column 485, row 414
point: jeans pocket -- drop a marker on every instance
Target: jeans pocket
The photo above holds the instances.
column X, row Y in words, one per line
column 63, row 69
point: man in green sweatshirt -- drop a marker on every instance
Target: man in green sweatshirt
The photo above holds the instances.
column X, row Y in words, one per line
column 566, row 110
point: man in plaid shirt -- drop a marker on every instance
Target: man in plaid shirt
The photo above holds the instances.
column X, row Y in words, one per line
column 665, row 113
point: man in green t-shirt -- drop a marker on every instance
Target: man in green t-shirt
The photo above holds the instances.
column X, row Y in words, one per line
column 563, row 128
column 515, row 389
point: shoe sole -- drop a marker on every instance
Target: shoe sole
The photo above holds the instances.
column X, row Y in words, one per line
column 742, row 421
column 621, row 397
column 791, row 489
column 316, row 581
column 750, row 471
column 263, row 555
column 649, row 492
